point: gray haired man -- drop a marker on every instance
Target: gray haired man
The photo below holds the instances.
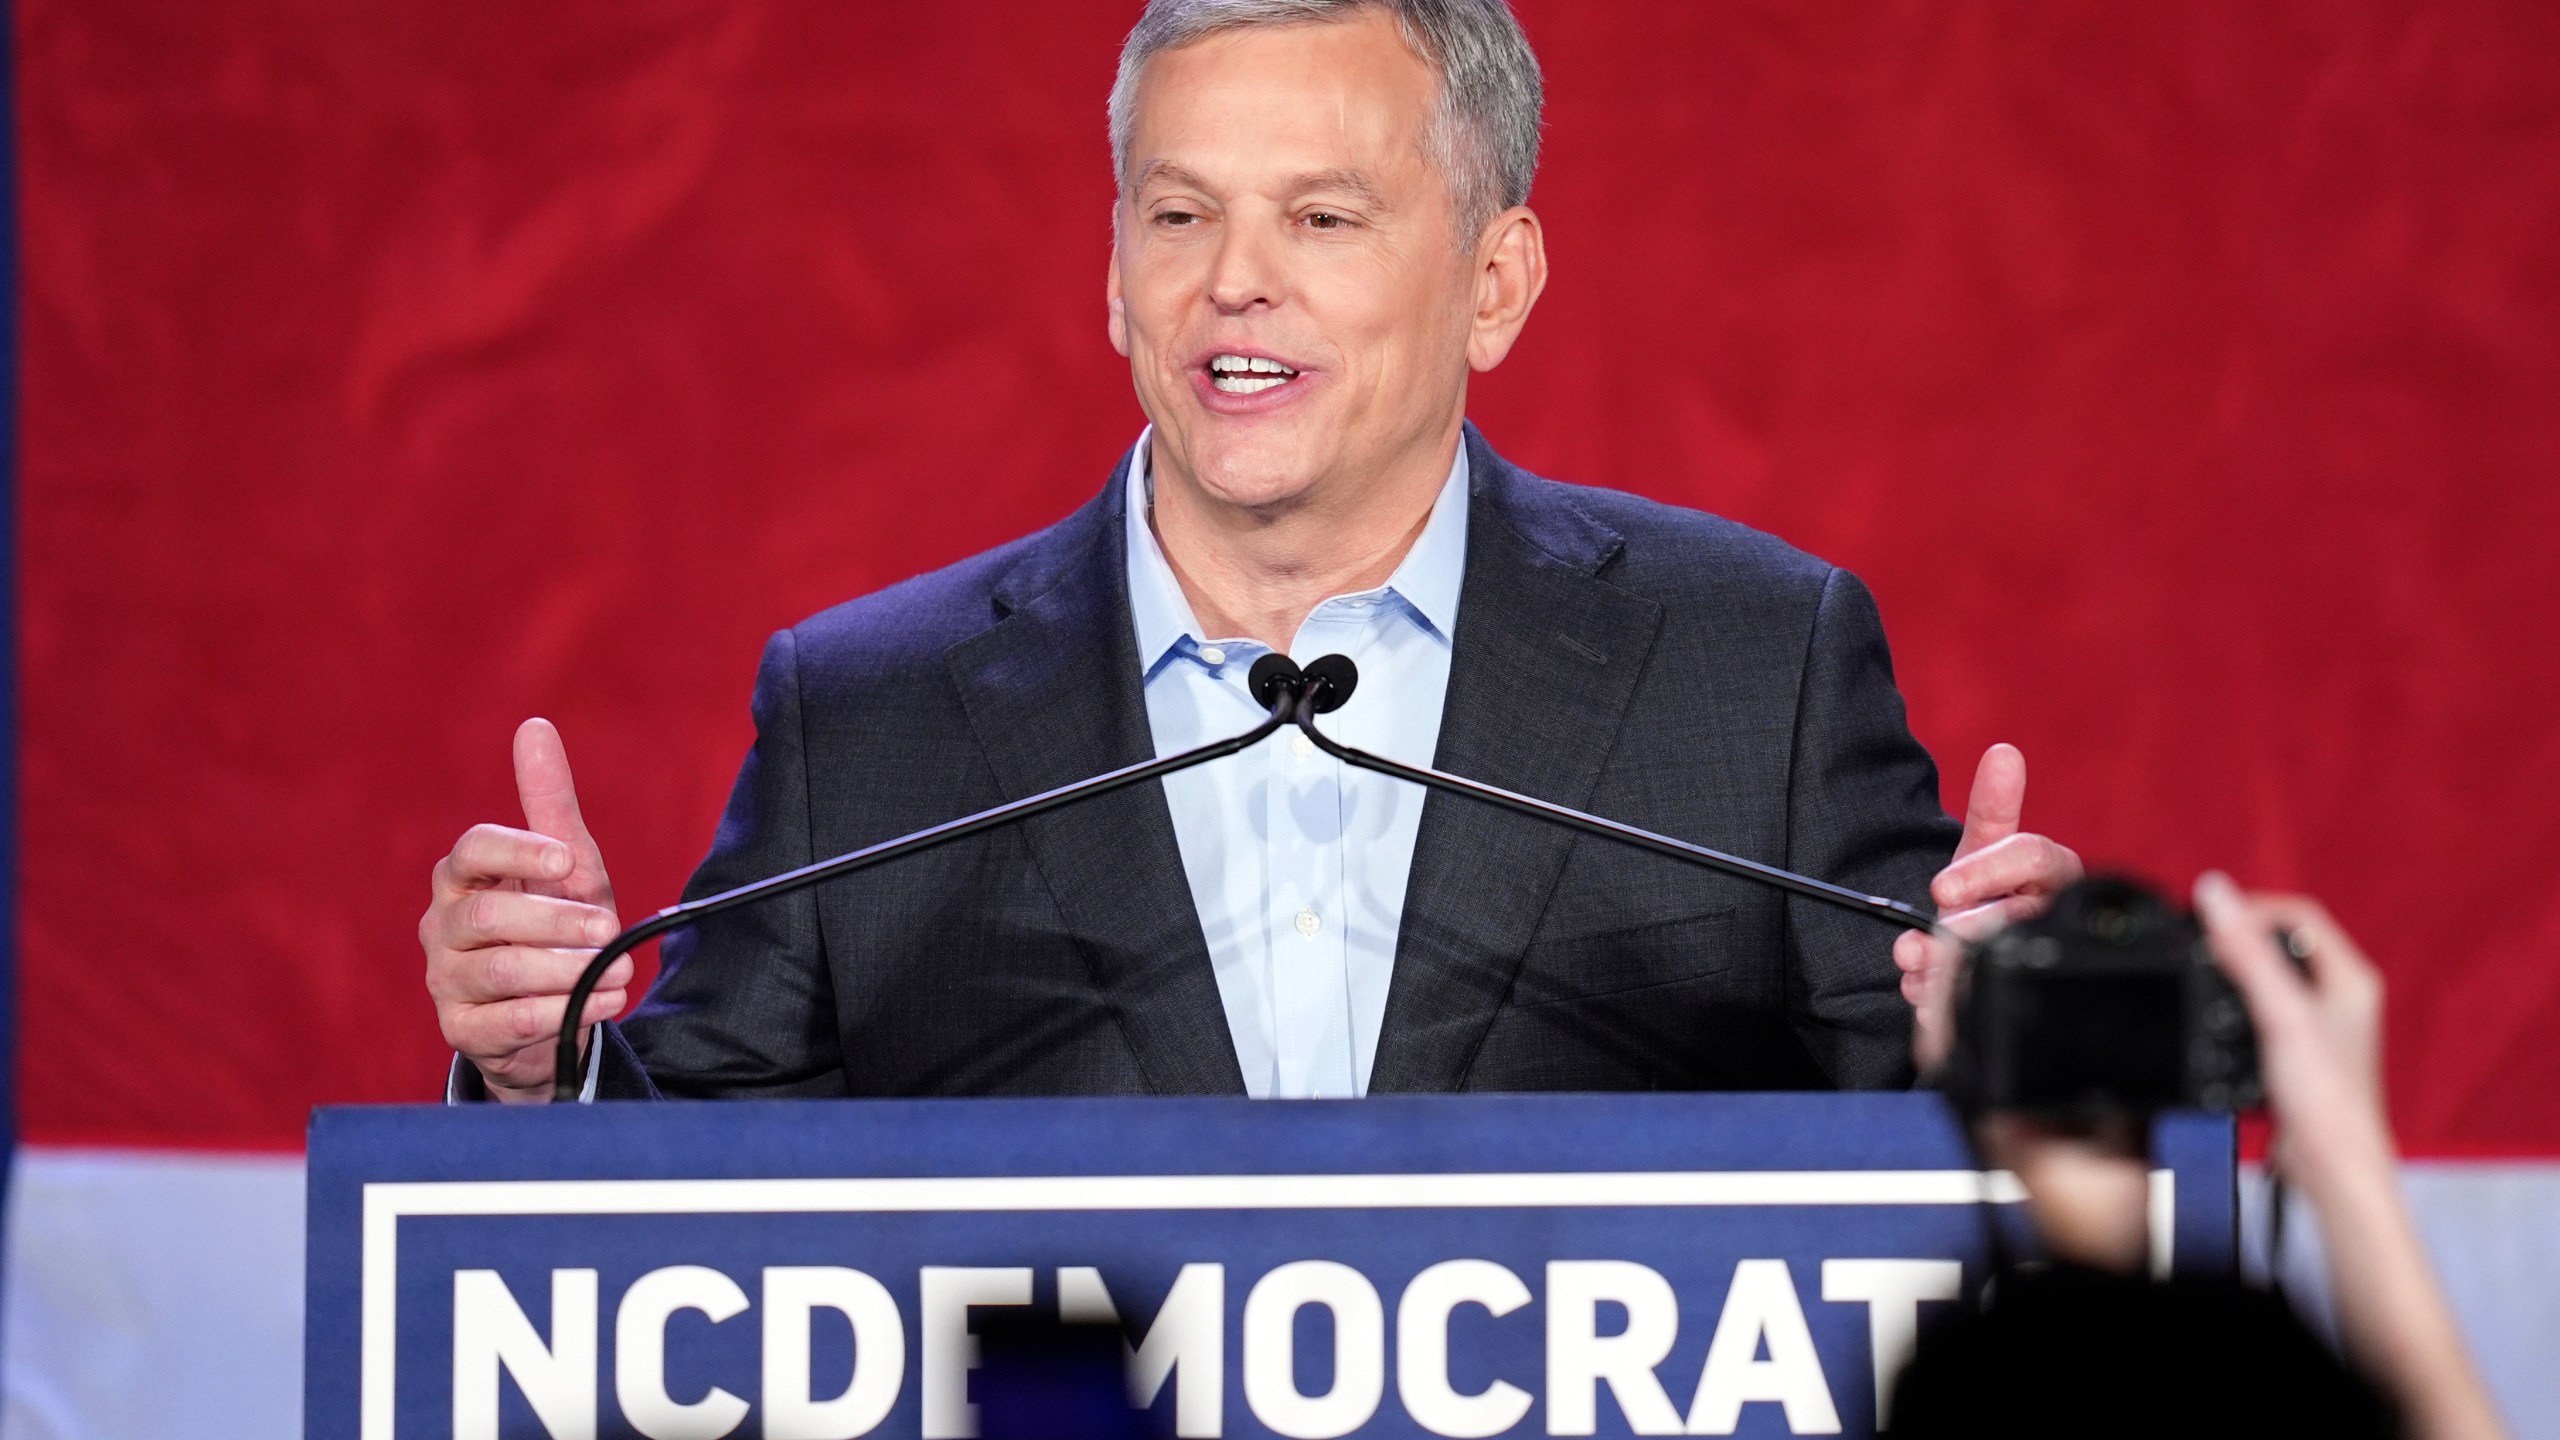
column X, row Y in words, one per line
column 1321, row 233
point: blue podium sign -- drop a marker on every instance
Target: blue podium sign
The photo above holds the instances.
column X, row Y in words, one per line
column 1462, row 1266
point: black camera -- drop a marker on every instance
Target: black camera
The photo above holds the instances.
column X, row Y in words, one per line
column 2108, row 1002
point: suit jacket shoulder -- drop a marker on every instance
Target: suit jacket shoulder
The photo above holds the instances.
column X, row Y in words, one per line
column 1677, row 556
column 912, row 624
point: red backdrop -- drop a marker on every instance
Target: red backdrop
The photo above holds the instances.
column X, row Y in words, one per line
column 2181, row 375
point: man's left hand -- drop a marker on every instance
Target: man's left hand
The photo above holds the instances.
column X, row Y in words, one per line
column 2000, row 873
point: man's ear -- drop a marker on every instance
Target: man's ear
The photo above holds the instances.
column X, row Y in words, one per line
column 1510, row 273
column 1115, row 304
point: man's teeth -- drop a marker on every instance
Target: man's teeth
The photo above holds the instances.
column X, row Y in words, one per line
column 1247, row 374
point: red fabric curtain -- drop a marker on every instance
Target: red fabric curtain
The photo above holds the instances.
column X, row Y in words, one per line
column 2181, row 375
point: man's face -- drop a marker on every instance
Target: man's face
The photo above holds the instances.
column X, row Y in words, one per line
column 1286, row 280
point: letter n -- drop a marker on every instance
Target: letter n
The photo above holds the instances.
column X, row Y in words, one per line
column 557, row 1376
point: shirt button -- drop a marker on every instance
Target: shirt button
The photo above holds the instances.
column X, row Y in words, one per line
column 1300, row 745
column 1213, row 655
column 1308, row 923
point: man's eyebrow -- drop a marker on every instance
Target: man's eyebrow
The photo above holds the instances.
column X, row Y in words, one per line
column 1167, row 172
column 1354, row 183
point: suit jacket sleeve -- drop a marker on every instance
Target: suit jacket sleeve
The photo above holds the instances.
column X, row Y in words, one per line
column 744, row 1004
column 1862, row 811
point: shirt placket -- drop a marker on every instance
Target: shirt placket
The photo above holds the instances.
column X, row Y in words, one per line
column 1310, row 965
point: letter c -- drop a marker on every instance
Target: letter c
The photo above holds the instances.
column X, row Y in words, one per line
column 1422, row 1349
column 640, row 1353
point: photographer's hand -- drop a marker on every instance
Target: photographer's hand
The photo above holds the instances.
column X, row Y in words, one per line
column 2319, row 1039
column 2319, row 1047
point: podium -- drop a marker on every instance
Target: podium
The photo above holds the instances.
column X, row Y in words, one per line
column 1395, row 1266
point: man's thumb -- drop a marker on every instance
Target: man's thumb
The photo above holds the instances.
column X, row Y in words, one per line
column 1998, row 801
column 542, row 782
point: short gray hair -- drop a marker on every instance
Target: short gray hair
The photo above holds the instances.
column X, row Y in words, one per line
column 1484, row 133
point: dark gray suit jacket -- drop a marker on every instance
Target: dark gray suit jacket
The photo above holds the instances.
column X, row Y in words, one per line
column 1656, row 665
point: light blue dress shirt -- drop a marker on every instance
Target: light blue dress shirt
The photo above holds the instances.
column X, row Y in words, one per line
column 1297, row 862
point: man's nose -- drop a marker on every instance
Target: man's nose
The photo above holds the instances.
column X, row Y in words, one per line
column 1246, row 271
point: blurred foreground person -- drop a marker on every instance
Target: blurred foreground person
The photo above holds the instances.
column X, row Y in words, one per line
column 2088, row 1346
column 1042, row 1378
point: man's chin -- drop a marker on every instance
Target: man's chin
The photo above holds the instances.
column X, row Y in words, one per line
column 1264, row 491
column 1256, row 472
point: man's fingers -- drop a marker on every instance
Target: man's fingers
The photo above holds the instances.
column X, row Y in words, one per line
column 494, row 1033
column 515, row 917
column 527, row 1071
column 1931, row 991
column 1928, row 964
column 1999, row 798
column 1980, row 920
column 509, row 972
column 489, row 855
column 1911, row 957
column 2017, row 865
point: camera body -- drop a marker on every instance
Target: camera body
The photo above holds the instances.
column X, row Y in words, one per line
column 2107, row 1003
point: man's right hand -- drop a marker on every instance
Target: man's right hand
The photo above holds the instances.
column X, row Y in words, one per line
column 513, row 916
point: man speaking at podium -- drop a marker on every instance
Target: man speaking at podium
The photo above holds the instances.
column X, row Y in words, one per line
column 1321, row 230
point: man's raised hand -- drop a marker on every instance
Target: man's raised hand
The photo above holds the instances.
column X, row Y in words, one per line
column 2000, row 873
column 512, row 917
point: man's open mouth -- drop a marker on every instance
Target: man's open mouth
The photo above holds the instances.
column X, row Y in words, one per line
column 1247, row 374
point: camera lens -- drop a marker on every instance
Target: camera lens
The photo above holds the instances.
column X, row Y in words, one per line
column 2114, row 925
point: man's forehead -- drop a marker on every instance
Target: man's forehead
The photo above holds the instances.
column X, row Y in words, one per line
column 1347, row 180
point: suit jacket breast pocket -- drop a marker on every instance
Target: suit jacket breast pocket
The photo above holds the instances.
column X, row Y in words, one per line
column 1614, row 962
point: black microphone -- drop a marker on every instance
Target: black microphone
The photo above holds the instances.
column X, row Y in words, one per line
column 1329, row 681
column 1274, row 681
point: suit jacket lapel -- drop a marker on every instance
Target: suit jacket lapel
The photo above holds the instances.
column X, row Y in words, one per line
column 1054, row 694
column 1545, row 662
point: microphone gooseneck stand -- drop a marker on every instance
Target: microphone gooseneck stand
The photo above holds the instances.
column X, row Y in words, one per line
column 1329, row 682
column 1293, row 697
column 1275, row 682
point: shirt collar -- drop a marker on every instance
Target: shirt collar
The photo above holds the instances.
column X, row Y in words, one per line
column 1162, row 611
column 1427, row 580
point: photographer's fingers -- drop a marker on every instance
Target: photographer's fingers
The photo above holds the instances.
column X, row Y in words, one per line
column 2346, row 988
column 2244, row 945
column 2334, row 956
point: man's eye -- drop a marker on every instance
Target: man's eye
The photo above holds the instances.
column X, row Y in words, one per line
column 1324, row 220
column 1175, row 217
